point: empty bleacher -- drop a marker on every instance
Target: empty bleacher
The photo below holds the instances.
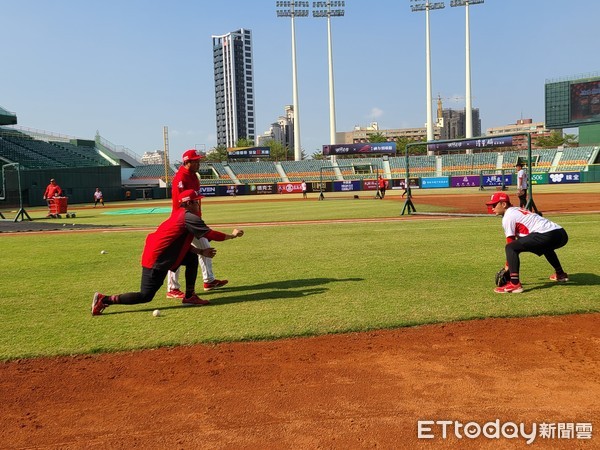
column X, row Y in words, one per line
column 151, row 171
column 422, row 165
column 82, row 156
column 308, row 170
column 27, row 158
column 213, row 173
column 360, row 168
column 255, row 172
column 574, row 159
column 35, row 154
column 464, row 164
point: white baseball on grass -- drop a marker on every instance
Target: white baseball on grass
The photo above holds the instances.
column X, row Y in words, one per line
column 156, row 313
column 103, row 252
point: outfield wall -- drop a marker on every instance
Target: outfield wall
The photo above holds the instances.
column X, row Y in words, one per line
column 456, row 181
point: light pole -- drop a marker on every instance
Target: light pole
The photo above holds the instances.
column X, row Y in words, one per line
column 426, row 7
column 468, row 101
column 330, row 13
column 290, row 9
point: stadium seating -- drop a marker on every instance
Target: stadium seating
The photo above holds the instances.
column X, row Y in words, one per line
column 574, row 159
column 308, row 170
column 27, row 158
column 255, row 172
column 422, row 166
column 360, row 168
column 151, row 171
column 34, row 153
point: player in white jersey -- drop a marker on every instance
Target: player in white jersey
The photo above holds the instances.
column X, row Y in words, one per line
column 527, row 232
column 521, row 185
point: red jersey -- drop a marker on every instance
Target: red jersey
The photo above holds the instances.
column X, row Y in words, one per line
column 183, row 179
column 168, row 245
column 52, row 190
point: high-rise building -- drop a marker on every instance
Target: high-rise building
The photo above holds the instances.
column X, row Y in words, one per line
column 234, row 87
column 281, row 131
column 453, row 122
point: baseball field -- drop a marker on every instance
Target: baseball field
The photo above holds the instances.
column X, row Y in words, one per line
column 344, row 324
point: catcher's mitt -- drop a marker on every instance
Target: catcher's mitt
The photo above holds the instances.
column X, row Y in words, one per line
column 502, row 277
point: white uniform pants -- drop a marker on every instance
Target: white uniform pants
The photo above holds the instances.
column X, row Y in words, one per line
column 205, row 264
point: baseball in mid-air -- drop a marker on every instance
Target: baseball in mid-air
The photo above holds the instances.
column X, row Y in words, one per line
column 156, row 313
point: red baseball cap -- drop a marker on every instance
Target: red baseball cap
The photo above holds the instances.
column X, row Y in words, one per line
column 187, row 195
column 191, row 155
column 499, row 197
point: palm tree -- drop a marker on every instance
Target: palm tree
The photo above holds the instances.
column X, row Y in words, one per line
column 376, row 137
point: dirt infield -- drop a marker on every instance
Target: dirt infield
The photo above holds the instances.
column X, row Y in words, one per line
column 364, row 390
column 347, row 391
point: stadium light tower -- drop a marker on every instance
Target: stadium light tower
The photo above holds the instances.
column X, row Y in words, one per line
column 329, row 13
column 294, row 9
column 468, row 100
column 426, row 7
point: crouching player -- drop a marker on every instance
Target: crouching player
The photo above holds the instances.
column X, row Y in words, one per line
column 166, row 249
column 526, row 231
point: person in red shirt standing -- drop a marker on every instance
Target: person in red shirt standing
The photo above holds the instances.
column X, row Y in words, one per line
column 381, row 187
column 52, row 190
column 187, row 178
column 169, row 247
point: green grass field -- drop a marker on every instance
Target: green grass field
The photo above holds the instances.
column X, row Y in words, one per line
column 287, row 280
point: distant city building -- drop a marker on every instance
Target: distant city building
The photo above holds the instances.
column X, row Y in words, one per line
column 361, row 134
column 281, row 131
column 453, row 122
column 234, row 87
column 536, row 129
column 157, row 157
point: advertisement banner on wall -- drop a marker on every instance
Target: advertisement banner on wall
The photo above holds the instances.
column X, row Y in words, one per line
column 258, row 189
column 539, row 178
column 231, row 189
column 369, row 185
column 360, row 149
column 496, row 180
column 249, row 152
column 435, row 182
column 293, row 187
column 346, row 186
column 505, row 141
column 208, row 191
column 564, row 177
column 465, row 181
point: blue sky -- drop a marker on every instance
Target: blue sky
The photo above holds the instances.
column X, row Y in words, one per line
column 129, row 67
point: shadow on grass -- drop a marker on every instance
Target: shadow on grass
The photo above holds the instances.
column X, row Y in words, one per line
column 577, row 279
column 286, row 284
column 277, row 290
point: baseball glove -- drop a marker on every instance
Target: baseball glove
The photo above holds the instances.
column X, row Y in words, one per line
column 521, row 192
column 502, row 277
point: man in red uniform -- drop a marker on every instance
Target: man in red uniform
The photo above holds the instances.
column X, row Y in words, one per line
column 52, row 190
column 169, row 247
column 381, row 187
column 187, row 178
